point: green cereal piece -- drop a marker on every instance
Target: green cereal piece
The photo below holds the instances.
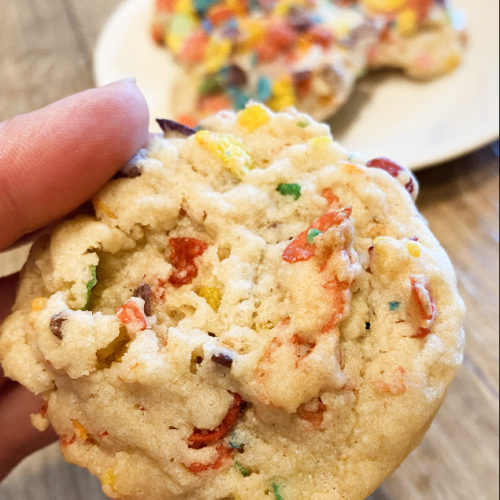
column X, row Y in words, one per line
column 289, row 190
column 91, row 284
column 242, row 469
column 311, row 234
column 276, row 491
column 303, row 123
column 393, row 305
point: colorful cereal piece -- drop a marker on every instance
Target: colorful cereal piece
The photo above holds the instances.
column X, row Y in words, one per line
column 223, row 454
column 312, row 412
column 183, row 252
column 252, row 117
column 211, row 295
column 90, row 285
column 205, row 436
column 228, row 149
column 391, row 168
column 130, row 314
column 299, row 249
column 292, row 190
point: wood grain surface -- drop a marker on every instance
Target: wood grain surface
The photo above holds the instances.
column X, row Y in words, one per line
column 46, row 53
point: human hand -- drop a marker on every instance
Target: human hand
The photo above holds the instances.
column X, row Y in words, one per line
column 51, row 161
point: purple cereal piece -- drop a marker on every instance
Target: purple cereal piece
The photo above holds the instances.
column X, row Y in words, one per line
column 171, row 126
column 144, row 292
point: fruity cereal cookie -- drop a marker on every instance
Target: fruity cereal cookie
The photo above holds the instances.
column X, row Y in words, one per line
column 303, row 53
column 250, row 313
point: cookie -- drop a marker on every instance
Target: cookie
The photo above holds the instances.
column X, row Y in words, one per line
column 249, row 312
column 280, row 53
column 423, row 38
column 307, row 54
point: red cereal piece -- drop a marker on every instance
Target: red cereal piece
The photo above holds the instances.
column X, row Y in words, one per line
column 303, row 347
column 281, row 36
column 183, row 251
column 331, row 198
column 165, row 5
column 422, row 295
column 395, row 383
column 422, row 7
column 219, row 13
column 205, row 436
column 187, row 120
column 337, row 291
column 213, row 103
column 157, row 34
column 130, row 313
column 66, row 441
column 312, row 412
column 425, row 303
column 265, row 52
column 194, row 47
column 223, row 454
column 320, row 36
column 391, row 168
column 299, row 249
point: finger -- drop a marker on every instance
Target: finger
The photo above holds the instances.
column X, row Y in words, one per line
column 8, row 286
column 18, row 437
column 53, row 159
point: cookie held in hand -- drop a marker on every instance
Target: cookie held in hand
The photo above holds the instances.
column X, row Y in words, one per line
column 251, row 313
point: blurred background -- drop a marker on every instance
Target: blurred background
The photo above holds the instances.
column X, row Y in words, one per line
column 46, row 50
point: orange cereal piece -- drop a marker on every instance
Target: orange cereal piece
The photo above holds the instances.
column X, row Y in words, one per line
column 213, row 103
column 219, row 13
column 312, row 412
column 194, row 47
column 396, row 383
column 223, row 454
column 130, row 313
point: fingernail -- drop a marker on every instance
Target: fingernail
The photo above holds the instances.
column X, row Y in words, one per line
column 130, row 80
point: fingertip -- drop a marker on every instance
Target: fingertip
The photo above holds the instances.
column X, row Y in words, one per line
column 54, row 159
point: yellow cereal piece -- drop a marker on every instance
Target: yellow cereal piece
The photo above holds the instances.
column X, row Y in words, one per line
column 253, row 30
column 211, row 295
column 342, row 27
column 102, row 207
column 382, row 245
column 229, row 149
column 452, row 62
column 174, row 42
column 252, row 117
column 80, row 430
column 407, row 22
column 384, row 5
column 283, row 95
column 108, row 478
column 413, row 248
column 282, row 7
column 184, row 7
column 217, row 54
column 320, row 142
column 237, row 6
column 304, row 44
column 352, row 169
column 38, row 303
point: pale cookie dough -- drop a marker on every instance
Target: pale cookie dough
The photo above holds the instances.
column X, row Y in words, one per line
column 251, row 313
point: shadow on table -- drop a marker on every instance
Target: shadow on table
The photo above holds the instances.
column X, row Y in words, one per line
column 449, row 180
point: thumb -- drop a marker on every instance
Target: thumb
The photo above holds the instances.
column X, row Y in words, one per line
column 53, row 159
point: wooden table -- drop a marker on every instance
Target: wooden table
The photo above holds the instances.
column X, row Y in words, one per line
column 46, row 53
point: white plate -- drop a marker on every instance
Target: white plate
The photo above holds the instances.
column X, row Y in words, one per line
column 417, row 124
